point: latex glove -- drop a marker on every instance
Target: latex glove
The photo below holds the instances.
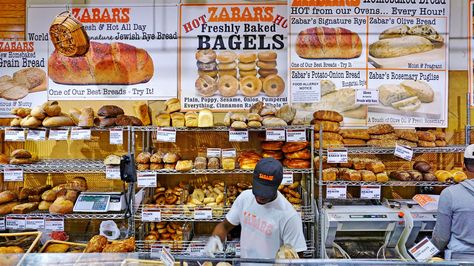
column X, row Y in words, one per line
column 214, row 244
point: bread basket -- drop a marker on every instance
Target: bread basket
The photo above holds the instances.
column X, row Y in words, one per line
column 28, row 241
column 68, row 35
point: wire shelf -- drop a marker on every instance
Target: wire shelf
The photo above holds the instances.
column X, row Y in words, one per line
column 125, row 128
column 377, row 150
column 61, row 166
column 217, row 128
column 389, row 183
column 71, row 216
column 221, row 171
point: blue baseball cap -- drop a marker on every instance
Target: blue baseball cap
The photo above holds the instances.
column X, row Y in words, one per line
column 267, row 177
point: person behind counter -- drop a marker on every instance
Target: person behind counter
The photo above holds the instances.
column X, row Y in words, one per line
column 454, row 224
column 268, row 220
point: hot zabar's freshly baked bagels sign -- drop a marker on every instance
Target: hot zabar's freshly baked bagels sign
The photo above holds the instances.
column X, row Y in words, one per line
column 232, row 55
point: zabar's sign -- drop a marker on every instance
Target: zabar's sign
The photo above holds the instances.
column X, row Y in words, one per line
column 102, row 15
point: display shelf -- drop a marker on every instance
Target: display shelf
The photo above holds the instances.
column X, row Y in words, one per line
column 207, row 129
column 377, row 150
column 71, row 216
column 221, row 171
column 65, row 128
column 389, row 183
column 60, row 166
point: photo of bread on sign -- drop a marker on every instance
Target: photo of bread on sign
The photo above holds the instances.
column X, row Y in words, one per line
column 22, row 82
column 397, row 46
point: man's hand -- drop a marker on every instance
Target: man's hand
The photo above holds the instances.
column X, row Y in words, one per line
column 214, row 244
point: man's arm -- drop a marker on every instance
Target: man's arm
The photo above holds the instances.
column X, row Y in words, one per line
column 222, row 229
column 442, row 230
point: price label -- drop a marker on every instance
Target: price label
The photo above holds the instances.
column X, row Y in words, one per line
column 213, row 153
column 166, row 256
column 54, row 224
column 287, row 179
column 238, row 135
column 337, row 156
column 155, row 251
column 275, row 135
column 14, row 135
column 403, row 152
column 15, row 223
column 80, row 134
column 424, row 250
column 203, row 214
column 336, row 192
column 295, row 135
column 367, row 97
column 58, row 134
column 2, row 224
column 229, row 153
column 112, row 172
column 166, row 135
column 36, row 134
column 13, row 175
column 34, row 223
column 116, row 136
column 370, row 192
column 146, row 179
column 151, row 215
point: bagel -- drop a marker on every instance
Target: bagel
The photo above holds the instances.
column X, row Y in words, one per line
column 226, row 57
column 206, row 86
column 231, row 72
column 267, row 72
column 250, row 86
column 247, row 66
column 245, row 73
column 160, row 225
column 170, row 229
column 171, row 199
column 210, row 73
column 206, row 56
column 267, row 64
column 247, row 57
column 273, row 85
column 160, row 200
column 227, row 66
column 206, row 66
column 267, row 56
column 228, row 86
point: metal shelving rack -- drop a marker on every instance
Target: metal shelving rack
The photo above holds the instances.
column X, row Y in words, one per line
column 71, row 216
column 416, row 150
column 222, row 172
column 60, row 166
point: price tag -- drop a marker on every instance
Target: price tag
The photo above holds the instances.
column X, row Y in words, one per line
column 367, row 97
column 13, row 175
column 15, row 223
column 275, row 135
column 424, row 250
column 370, row 192
column 229, row 153
column 203, row 214
column 116, row 136
column 34, row 223
column 287, row 179
column 336, row 192
column 54, row 224
column 2, row 224
column 112, row 172
column 58, row 134
column 403, row 152
column 295, row 135
column 238, row 135
column 36, row 134
column 166, row 135
column 166, row 256
column 155, row 251
column 14, row 135
column 146, row 179
column 80, row 134
column 213, row 153
column 151, row 215
column 337, row 156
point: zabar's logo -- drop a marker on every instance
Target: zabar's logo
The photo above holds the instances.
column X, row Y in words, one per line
column 239, row 14
column 326, row 3
column 17, row 47
column 265, row 177
column 102, row 15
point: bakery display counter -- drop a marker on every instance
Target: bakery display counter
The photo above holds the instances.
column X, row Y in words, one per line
column 60, row 166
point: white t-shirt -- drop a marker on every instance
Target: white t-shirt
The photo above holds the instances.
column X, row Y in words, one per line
column 266, row 227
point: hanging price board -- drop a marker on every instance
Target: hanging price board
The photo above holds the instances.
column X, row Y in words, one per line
column 424, row 250
column 370, row 192
column 80, row 134
column 403, row 152
column 295, row 135
column 12, row 174
column 337, row 156
column 34, row 223
column 238, row 135
column 203, row 213
column 151, row 215
column 54, row 224
column 287, row 179
column 112, row 172
column 336, row 192
column 58, row 134
column 116, row 136
column 34, row 134
column 15, row 223
column 14, row 135
column 367, row 97
column 166, row 135
column 275, row 134
column 146, row 179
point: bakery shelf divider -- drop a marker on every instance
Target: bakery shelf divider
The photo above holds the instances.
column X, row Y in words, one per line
column 61, row 166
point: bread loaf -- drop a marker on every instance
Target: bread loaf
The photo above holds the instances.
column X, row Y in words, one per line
column 407, row 134
column 329, row 144
column 30, row 121
column 7, row 196
column 325, row 42
column 205, row 118
column 114, row 63
column 6, row 208
column 426, row 136
column 367, row 176
column 52, row 108
column 294, row 146
column 355, row 134
column 430, row 144
column 141, row 111
column 326, row 125
column 384, row 136
column 390, row 93
column 20, row 154
column 329, row 136
column 163, row 120
column 61, row 206
column 58, row 121
column 25, row 208
column 177, row 119
column 191, row 119
column 380, row 129
column 420, row 89
column 354, row 142
column 408, row 143
column 110, row 111
column 328, row 115
column 330, row 174
column 395, row 47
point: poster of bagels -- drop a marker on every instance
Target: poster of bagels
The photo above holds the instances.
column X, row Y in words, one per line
column 232, row 55
column 23, row 79
column 374, row 61
column 132, row 53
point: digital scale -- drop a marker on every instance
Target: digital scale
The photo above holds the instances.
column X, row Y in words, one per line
column 100, row 202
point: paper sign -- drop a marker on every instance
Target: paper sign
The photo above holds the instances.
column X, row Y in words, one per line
column 275, row 135
column 229, row 153
column 403, row 152
column 146, row 179
column 287, row 179
column 80, row 134
column 58, row 134
column 54, row 224
column 203, row 214
column 151, row 215
column 112, row 172
column 13, row 175
column 34, row 223
column 336, row 192
column 14, row 135
column 15, row 223
column 116, row 136
column 367, row 96
column 295, row 135
column 36, row 134
column 238, row 135
column 337, row 156
column 166, row 135
column 370, row 192
column 424, row 250
column 213, row 153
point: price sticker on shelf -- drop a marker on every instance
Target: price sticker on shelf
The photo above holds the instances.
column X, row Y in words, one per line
column 337, row 156
column 34, row 223
column 295, row 135
column 367, row 97
column 54, row 224
column 238, row 135
column 336, row 192
column 15, row 223
column 112, row 172
column 166, row 135
column 116, row 136
column 14, row 135
column 2, row 224
column 424, row 250
column 203, row 214
column 370, row 192
column 275, row 134
column 287, row 179
column 229, row 153
column 80, row 134
column 151, row 215
column 146, row 179
column 166, row 256
column 58, row 134
column 403, row 152
column 213, row 153
column 34, row 134
column 12, row 174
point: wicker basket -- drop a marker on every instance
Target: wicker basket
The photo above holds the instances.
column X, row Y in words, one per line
column 73, row 247
column 28, row 241
column 68, row 35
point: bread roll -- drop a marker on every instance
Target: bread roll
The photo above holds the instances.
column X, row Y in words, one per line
column 143, row 157
column 274, row 122
column 157, row 157
column 429, row 144
column 395, row 47
column 38, row 112
column 368, row 176
column 171, row 157
column 49, row 195
column 381, row 177
column 52, row 108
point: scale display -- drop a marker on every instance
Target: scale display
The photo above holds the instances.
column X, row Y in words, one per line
column 92, row 203
column 367, row 216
